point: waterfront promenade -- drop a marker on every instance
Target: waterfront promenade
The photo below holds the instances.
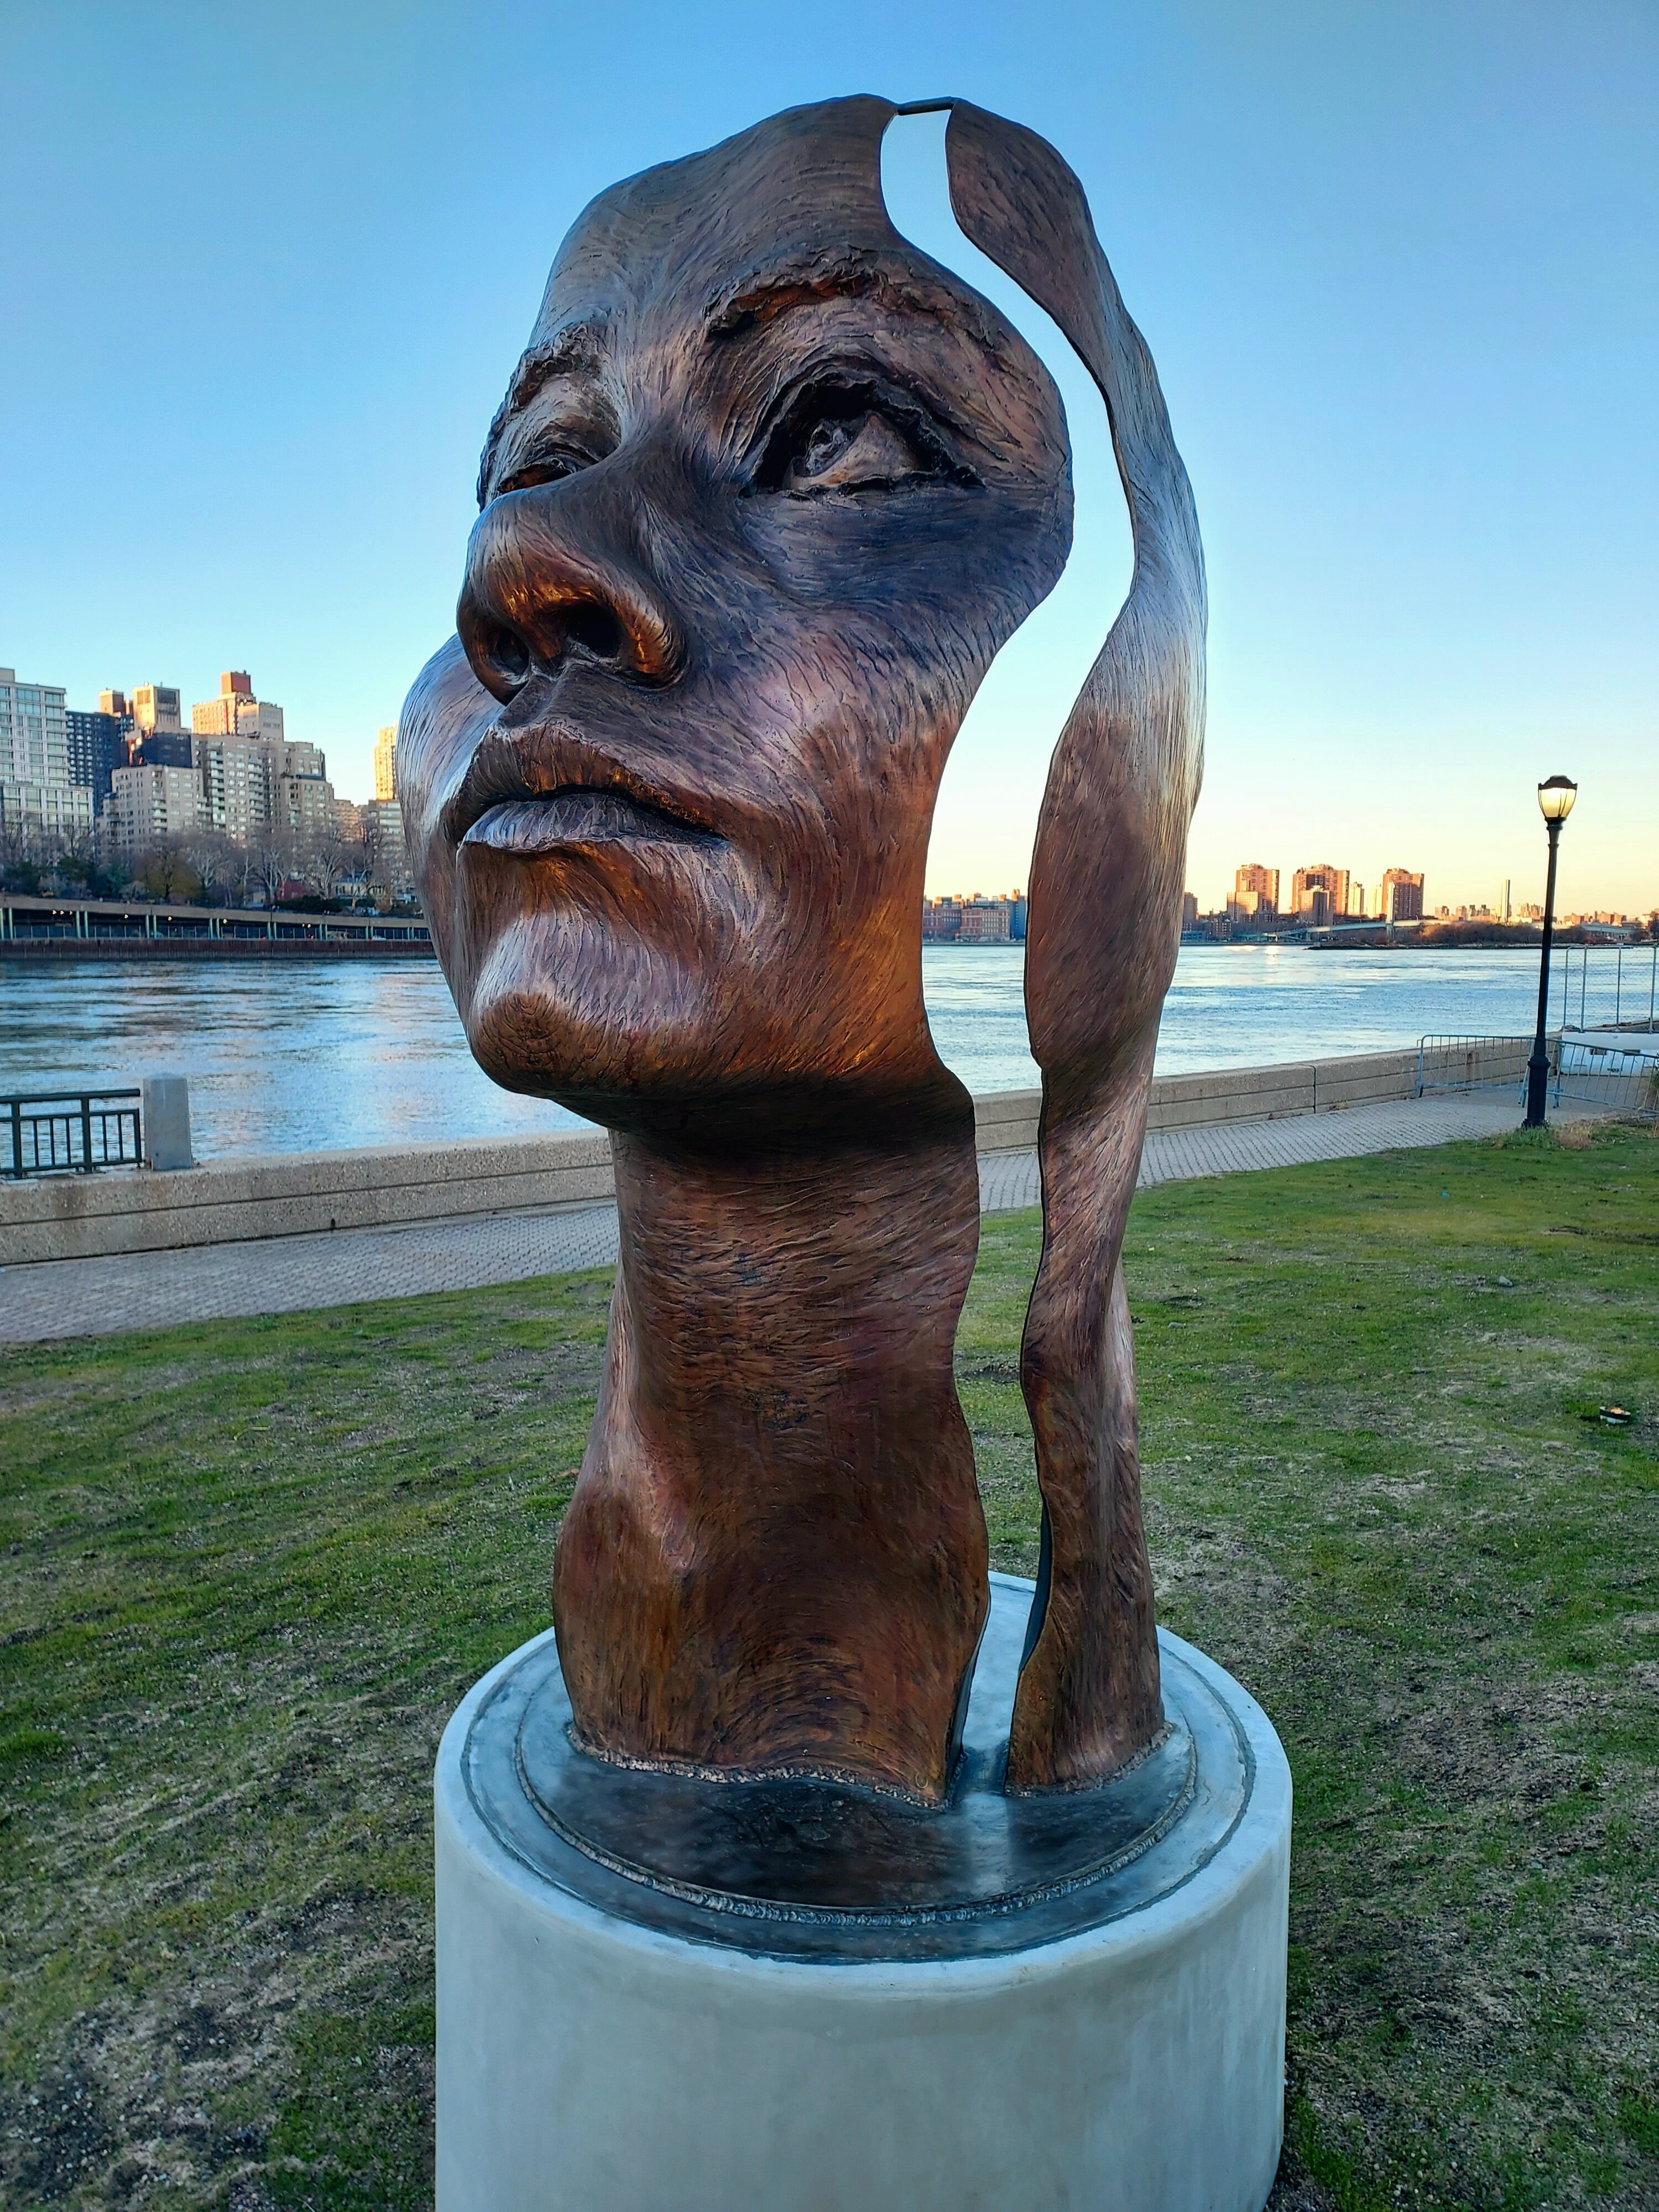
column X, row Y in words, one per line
column 267, row 1275
column 69, row 928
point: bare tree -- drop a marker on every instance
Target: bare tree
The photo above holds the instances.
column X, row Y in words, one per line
column 325, row 862
column 214, row 857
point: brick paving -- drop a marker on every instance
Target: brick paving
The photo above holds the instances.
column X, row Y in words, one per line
column 158, row 1290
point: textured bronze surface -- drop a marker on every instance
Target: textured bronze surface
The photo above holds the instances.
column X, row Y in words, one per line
column 817, row 1871
column 1104, row 930
column 769, row 490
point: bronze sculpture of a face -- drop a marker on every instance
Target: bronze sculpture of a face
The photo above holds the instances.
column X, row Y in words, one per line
column 769, row 490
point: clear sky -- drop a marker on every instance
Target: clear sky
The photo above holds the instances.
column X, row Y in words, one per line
column 265, row 270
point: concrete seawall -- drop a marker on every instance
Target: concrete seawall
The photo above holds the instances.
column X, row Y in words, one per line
column 285, row 1194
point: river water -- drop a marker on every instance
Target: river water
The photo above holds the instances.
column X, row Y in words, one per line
column 294, row 1058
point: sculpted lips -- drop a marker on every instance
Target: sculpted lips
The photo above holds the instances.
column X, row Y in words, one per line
column 546, row 790
column 542, row 825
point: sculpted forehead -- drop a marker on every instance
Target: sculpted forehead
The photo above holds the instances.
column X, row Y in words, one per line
column 722, row 244
column 803, row 186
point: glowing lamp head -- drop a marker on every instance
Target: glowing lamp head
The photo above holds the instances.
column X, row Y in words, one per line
column 1555, row 798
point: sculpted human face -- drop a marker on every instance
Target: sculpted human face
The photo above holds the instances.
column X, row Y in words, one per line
column 768, row 492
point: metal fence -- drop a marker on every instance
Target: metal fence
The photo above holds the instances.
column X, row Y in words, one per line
column 1615, row 1079
column 75, row 1133
column 1472, row 1063
column 1604, row 986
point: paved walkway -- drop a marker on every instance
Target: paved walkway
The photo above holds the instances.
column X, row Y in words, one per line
column 156, row 1290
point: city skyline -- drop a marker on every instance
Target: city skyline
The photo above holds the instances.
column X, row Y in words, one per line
column 373, row 772
column 1384, row 261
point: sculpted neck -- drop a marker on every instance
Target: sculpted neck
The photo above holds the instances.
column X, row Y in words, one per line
column 776, row 1557
column 836, row 1267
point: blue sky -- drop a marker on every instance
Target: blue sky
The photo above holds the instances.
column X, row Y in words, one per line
column 264, row 271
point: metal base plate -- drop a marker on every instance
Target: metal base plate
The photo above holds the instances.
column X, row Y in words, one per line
column 810, row 1870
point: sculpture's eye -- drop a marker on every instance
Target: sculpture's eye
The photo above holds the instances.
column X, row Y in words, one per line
column 854, row 438
column 547, row 467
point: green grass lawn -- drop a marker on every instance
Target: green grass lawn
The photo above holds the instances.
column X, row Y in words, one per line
column 250, row 1567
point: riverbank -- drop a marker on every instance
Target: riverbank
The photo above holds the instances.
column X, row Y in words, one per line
column 256, row 1565
column 123, row 950
column 90, row 930
column 306, row 1055
column 79, row 1217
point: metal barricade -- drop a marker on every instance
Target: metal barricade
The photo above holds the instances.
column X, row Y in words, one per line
column 1613, row 1078
column 1472, row 1063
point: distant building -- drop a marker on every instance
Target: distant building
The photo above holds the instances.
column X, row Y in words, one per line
column 388, row 856
column 305, row 802
column 39, row 799
column 976, row 921
column 150, row 803
column 256, row 782
column 302, row 758
column 160, row 738
column 1255, row 890
column 985, row 922
column 237, row 714
column 1188, row 911
column 1402, row 896
column 386, row 750
column 33, row 739
column 154, row 709
column 1320, row 894
column 53, row 814
column 349, row 821
column 238, row 798
column 97, row 747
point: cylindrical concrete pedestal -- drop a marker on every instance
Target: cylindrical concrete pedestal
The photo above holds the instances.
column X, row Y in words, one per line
column 623, row 2037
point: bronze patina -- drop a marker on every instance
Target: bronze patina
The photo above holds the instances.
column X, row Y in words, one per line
column 769, row 490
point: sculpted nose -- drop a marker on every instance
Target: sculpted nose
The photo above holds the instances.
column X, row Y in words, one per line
column 546, row 580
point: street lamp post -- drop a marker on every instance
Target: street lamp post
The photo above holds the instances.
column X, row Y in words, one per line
column 1555, row 800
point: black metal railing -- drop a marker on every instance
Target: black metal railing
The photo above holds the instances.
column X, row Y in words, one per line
column 61, row 1133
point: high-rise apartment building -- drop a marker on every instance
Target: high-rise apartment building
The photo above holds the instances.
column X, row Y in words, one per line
column 1320, row 894
column 97, row 747
column 147, row 803
column 237, row 714
column 39, row 799
column 388, row 855
column 154, row 709
column 1401, row 896
column 254, row 782
column 1255, row 890
column 33, row 740
column 305, row 805
column 386, row 748
column 160, row 737
column 238, row 786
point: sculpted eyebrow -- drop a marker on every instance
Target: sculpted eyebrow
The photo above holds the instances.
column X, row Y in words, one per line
column 762, row 295
column 574, row 349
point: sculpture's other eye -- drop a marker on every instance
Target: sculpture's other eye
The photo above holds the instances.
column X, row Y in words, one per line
column 549, row 465
column 854, row 438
